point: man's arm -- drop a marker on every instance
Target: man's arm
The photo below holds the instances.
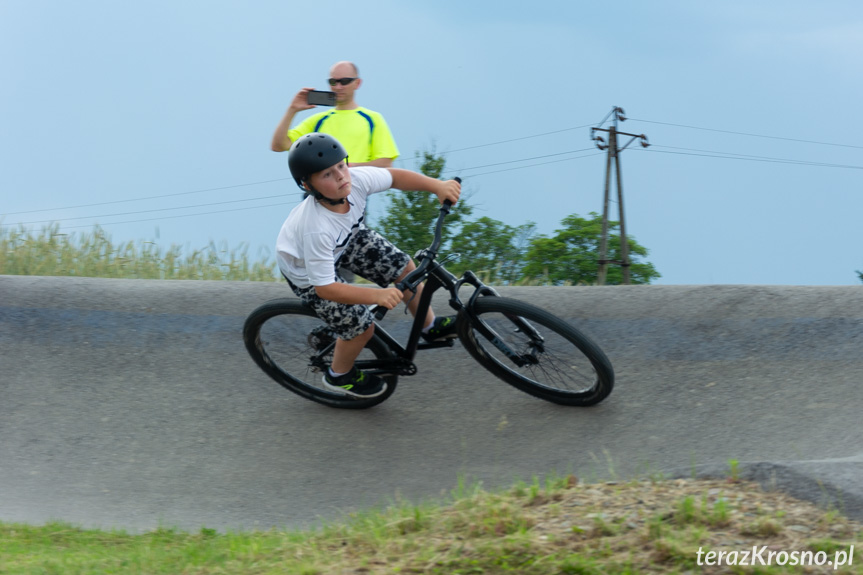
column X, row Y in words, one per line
column 281, row 142
column 383, row 146
column 408, row 180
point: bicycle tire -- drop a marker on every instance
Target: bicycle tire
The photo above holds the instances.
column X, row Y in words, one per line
column 277, row 336
column 570, row 370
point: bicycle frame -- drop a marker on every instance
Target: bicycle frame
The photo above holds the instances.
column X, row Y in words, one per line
column 438, row 277
column 435, row 276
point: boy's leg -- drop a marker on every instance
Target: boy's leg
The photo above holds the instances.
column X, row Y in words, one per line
column 348, row 350
column 415, row 300
column 434, row 329
column 373, row 257
column 352, row 324
column 354, row 327
column 343, row 377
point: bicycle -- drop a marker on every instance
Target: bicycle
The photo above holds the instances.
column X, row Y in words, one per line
column 522, row 344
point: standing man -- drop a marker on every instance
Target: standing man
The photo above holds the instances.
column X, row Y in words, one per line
column 363, row 132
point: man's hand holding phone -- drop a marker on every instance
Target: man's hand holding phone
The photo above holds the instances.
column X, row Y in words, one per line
column 301, row 101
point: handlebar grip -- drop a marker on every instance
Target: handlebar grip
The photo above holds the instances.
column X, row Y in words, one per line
column 448, row 203
column 380, row 312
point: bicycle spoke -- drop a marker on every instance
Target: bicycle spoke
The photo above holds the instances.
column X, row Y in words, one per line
column 559, row 363
column 294, row 347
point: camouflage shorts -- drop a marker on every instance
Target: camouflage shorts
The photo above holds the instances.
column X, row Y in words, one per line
column 370, row 256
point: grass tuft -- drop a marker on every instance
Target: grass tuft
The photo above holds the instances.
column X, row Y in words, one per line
column 51, row 253
column 561, row 526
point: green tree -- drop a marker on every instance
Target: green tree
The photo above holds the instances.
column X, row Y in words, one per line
column 410, row 215
column 572, row 254
column 492, row 249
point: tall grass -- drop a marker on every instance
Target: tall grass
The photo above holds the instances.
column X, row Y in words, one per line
column 52, row 253
column 94, row 254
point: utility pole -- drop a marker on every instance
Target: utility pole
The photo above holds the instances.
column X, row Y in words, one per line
column 613, row 157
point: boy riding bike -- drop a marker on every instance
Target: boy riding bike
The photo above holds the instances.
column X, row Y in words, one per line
column 326, row 231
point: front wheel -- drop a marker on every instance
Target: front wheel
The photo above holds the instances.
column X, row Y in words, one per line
column 294, row 347
column 536, row 351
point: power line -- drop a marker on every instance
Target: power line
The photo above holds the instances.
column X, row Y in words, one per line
column 179, row 216
column 280, row 195
column 685, row 152
column 749, row 134
column 149, row 197
column 147, row 211
column 527, row 159
column 247, row 199
column 285, row 179
column 747, row 157
column 668, row 150
column 456, row 172
column 517, row 139
column 508, row 141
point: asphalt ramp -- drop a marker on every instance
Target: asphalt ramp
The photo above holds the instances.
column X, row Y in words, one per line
column 133, row 404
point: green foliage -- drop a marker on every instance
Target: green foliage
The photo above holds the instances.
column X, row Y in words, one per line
column 504, row 254
column 492, row 249
column 572, row 254
column 410, row 215
column 51, row 253
column 734, row 470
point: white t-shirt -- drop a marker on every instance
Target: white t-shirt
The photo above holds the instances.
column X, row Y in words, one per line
column 313, row 237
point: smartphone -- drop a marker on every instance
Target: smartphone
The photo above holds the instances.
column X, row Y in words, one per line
column 318, row 98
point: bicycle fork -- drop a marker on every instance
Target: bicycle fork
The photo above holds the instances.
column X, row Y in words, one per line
column 521, row 325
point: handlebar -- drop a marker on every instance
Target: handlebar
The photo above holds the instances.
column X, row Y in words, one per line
column 413, row 279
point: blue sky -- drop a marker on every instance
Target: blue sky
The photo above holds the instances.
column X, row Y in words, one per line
column 154, row 119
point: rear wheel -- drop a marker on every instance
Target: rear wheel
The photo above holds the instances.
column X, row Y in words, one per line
column 285, row 338
column 558, row 363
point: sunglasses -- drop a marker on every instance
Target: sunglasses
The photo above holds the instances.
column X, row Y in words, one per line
column 342, row 81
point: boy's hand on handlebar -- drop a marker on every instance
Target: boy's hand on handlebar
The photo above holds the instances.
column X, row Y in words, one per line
column 449, row 190
column 388, row 297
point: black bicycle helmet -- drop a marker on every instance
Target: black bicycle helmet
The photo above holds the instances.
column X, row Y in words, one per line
column 312, row 153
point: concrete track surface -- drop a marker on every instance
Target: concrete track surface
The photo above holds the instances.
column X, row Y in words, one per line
column 133, row 404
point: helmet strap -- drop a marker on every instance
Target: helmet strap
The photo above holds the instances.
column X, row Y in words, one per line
column 322, row 198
